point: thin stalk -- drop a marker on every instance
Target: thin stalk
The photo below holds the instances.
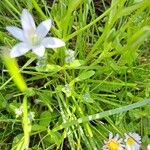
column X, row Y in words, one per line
column 25, row 124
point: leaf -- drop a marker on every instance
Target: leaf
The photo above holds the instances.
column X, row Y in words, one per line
column 103, row 114
column 45, row 118
column 55, row 137
column 75, row 64
column 85, row 75
column 45, row 98
column 18, row 142
column 48, row 68
column 38, row 128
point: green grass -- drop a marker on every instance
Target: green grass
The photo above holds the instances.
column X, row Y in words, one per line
column 106, row 89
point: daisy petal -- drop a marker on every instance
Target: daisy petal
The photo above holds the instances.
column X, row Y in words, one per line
column 44, row 28
column 39, row 50
column 16, row 32
column 110, row 135
column 51, row 42
column 27, row 21
column 116, row 137
column 19, row 49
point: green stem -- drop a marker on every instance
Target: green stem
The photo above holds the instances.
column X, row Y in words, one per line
column 25, row 124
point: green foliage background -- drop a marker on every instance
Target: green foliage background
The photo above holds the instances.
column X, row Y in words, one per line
column 112, row 70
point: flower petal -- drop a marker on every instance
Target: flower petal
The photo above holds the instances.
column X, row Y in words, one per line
column 39, row 50
column 116, row 137
column 27, row 21
column 19, row 49
column 52, row 42
column 110, row 135
column 16, row 32
column 44, row 28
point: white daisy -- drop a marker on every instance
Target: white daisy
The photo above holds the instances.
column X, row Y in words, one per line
column 113, row 143
column 133, row 141
column 32, row 37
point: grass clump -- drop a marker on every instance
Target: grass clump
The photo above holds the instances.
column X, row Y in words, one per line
column 73, row 96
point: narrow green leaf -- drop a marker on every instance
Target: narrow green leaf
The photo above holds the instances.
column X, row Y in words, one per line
column 103, row 114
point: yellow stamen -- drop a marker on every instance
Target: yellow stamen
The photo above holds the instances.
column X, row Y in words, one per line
column 130, row 141
column 34, row 39
column 113, row 145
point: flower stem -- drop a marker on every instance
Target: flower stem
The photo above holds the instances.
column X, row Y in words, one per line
column 25, row 124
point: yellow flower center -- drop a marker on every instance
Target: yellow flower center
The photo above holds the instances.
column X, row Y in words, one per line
column 113, row 145
column 130, row 141
column 34, row 39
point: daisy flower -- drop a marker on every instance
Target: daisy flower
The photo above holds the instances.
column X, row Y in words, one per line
column 32, row 37
column 133, row 141
column 113, row 143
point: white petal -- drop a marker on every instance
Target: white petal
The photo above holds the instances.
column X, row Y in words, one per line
column 19, row 49
column 51, row 42
column 116, row 137
column 110, row 135
column 39, row 50
column 16, row 32
column 27, row 21
column 44, row 28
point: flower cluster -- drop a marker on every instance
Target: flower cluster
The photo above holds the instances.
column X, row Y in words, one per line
column 131, row 141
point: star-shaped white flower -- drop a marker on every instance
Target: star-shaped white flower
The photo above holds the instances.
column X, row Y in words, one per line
column 32, row 37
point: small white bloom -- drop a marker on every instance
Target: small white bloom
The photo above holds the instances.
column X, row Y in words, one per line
column 86, row 96
column 32, row 37
column 18, row 112
column 69, row 56
column 31, row 116
column 148, row 147
column 113, row 143
column 67, row 90
column 41, row 61
column 133, row 141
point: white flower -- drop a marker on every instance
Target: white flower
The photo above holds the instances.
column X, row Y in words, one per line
column 86, row 96
column 67, row 90
column 69, row 56
column 148, row 147
column 113, row 143
column 32, row 37
column 18, row 111
column 133, row 141
column 41, row 62
column 31, row 116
